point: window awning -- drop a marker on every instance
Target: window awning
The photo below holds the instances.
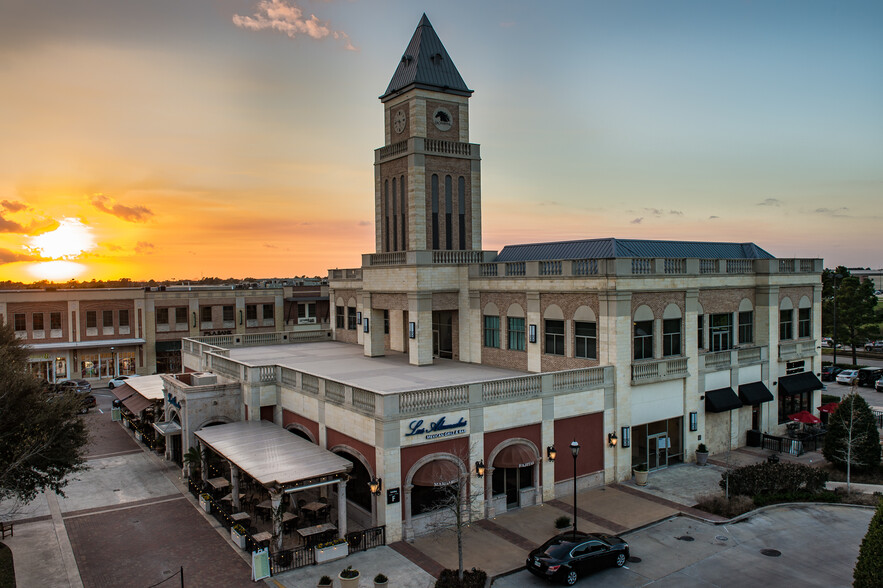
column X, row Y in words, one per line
column 167, row 428
column 721, row 400
column 799, row 383
column 136, row 403
column 123, row 392
column 754, row 393
column 515, row 456
column 441, row 472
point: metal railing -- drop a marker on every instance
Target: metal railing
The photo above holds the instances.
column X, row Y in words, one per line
column 366, row 539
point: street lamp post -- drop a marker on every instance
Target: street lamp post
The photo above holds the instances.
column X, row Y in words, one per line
column 574, row 449
column 836, row 277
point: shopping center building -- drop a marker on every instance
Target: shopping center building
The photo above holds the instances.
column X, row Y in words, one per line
column 456, row 370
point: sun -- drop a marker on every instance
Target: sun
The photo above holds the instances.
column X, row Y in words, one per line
column 69, row 240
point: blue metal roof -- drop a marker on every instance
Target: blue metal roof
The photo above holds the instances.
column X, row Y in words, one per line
column 426, row 64
column 612, row 248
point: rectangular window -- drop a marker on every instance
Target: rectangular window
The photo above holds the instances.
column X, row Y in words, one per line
column 107, row 318
column 792, row 404
column 162, row 316
column 205, row 314
column 720, row 330
column 643, row 335
column 20, row 321
column 351, row 318
column 746, row 327
column 181, row 314
column 386, row 322
column 586, row 340
column 229, row 313
column 492, row 331
column 700, row 335
column 124, row 318
column 555, row 337
column 671, row 337
column 55, row 320
column 339, row 317
column 786, row 326
column 516, row 333
column 804, row 323
column 268, row 312
column 306, row 310
column 37, row 321
column 91, row 319
column 251, row 312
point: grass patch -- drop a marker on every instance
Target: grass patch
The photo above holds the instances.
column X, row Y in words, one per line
column 874, row 476
column 7, row 572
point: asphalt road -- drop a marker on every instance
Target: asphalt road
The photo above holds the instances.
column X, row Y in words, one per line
column 815, row 545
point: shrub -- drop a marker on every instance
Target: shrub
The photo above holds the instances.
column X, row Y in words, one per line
column 473, row 578
column 865, row 450
column 719, row 505
column 380, row 579
column 325, row 581
column 562, row 522
column 800, row 496
column 869, row 567
column 771, row 478
column 702, row 448
column 349, row 572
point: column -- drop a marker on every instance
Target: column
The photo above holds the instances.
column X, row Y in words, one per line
column 276, row 503
column 533, row 317
column 234, row 484
column 374, row 339
column 203, row 462
column 420, row 313
column 341, row 507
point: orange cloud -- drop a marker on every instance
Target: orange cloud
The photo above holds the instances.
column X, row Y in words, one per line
column 127, row 213
column 278, row 15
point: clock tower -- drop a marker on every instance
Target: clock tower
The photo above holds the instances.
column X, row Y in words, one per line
column 427, row 175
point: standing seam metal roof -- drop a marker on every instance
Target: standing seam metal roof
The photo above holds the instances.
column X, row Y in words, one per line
column 613, row 248
column 426, row 64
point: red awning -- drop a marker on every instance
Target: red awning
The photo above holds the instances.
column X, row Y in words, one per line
column 515, row 456
column 440, row 472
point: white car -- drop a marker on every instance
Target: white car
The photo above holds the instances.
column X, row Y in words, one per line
column 847, row 377
column 119, row 381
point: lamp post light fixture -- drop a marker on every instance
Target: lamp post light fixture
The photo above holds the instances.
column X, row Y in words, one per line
column 574, row 449
column 551, row 453
column 374, row 485
column 479, row 468
column 612, row 440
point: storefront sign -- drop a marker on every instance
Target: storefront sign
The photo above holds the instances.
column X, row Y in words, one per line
column 224, row 332
column 172, row 400
column 434, row 427
column 393, row 495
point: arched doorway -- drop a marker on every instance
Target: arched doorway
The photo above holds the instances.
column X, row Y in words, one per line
column 514, row 475
column 434, row 487
column 357, row 490
column 301, row 432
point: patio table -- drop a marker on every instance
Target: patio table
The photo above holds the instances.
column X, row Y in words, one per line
column 218, row 483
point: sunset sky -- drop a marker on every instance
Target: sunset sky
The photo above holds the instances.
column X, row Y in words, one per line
column 192, row 138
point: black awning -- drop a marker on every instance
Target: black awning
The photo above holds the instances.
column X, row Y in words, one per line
column 754, row 393
column 162, row 346
column 721, row 400
column 799, row 383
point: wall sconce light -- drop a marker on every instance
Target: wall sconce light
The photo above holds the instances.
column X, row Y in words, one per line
column 694, row 421
column 626, row 437
column 532, row 333
column 194, row 318
column 365, row 329
column 612, row 439
column 479, row 468
column 374, row 485
column 358, row 317
column 551, row 453
column 412, row 330
column 240, row 316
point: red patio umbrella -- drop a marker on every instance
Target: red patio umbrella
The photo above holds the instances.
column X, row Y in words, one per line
column 829, row 408
column 805, row 417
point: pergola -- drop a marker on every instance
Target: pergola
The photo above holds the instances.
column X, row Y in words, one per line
column 281, row 462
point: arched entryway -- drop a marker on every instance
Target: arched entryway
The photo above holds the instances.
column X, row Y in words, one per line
column 513, row 476
column 301, row 431
column 432, row 486
column 358, row 494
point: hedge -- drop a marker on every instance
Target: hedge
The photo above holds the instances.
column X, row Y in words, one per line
column 774, row 478
column 868, row 571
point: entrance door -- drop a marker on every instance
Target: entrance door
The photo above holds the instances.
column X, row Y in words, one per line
column 755, row 417
column 657, row 451
column 511, row 488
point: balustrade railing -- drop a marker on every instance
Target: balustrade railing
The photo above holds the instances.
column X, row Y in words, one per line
column 510, row 388
column 334, row 391
column 447, row 147
column 550, row 268
column 363, row 399
column 675, row 266
column 389, row 258
column 577, row 379
column 666, row 368
column 584, row 267
column 393, row 150
column 421, row 400
column 459, row 257
column 718, row 359
column 642, row 266
column 309, row 383
column 740, row 266
column 708, row 266
column 515, row 268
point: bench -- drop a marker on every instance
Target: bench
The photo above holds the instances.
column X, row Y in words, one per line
column 5, row 529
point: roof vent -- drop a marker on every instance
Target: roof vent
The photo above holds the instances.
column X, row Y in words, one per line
column 436, row 59
column 407, row 59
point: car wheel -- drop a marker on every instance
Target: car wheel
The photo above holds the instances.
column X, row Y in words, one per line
column 620, row 560
column 571, row 578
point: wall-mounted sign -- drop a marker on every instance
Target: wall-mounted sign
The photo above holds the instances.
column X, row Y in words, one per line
column 393, row 495
column 434, row 427
column 223, row 332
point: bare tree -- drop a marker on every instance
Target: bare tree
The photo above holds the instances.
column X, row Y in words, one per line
column 852, row 439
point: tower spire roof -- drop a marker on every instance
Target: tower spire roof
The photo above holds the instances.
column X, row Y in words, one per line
column 426, row 64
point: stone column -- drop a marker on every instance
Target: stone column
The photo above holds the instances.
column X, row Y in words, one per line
column 234, row 484
column 276, row 514
column 203, row 462
column 341, row 507
column 420, row 313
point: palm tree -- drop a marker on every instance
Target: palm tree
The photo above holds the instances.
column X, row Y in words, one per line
column 193, row 460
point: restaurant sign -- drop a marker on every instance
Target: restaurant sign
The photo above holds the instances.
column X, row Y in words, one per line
column 434, row 428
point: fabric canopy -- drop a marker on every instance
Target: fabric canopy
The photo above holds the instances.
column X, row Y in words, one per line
column 167, row 428
column 515, row 456
column 123, row 392
column 799, row 383
column 440, row 472
column 754, row 393
column 805, row 417
column 829, row 408
column 721, row 400
column 136, row 403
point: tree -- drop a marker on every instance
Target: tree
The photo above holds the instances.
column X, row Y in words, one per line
column 42, row 435
column 868, row 571
column 852, row 440
column 855, row 307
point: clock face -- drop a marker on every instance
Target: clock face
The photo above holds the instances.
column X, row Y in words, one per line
column 442, row 119
column 399, row 121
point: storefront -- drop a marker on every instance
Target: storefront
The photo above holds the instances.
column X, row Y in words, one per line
column 658, row 445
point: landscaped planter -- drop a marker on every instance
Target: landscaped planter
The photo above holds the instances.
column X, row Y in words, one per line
column 641, row 477
column 138, row 436
column 238, row 538
column 205, row 504
column 338, row 551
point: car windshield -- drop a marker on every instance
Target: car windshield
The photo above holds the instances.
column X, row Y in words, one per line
column 558, row 549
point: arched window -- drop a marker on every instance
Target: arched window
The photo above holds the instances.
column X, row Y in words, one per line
column 434, row 189
column 786, row 319
column 746, row 322
column 643, row 333
column 449, row 212
column 461, row 208
column 671, row 331
column 403, row 210
column 804, row 317
column 395, row 234
column 386, row 206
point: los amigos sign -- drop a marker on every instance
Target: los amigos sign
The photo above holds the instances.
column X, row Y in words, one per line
column 434, row 427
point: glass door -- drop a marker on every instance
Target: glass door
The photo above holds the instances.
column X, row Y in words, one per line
column 512, row 488
column 657, row 451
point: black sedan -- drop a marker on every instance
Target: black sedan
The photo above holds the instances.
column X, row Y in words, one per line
column 829, row 373
column 566, row 557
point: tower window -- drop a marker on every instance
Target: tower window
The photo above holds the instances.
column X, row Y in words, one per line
column 402, row 210
column 434, row 187
column 395, row 233
column 386, row 205
column 461, row 208
column 449, row 212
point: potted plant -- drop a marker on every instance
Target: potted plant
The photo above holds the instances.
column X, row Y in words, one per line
column 562, row 523
column 205, row 501
column 701, row 454
column 324, row 582
column 237, row 534
column 349, row 578
column 380, row 580
column 641, row 474
column 331, row 550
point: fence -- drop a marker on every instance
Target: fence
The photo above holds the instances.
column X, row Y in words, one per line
column 794, row 446
column 299, row 557
column 878, row 417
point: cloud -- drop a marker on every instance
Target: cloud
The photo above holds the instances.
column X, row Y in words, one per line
column 7, row 256
column 832, row 211
column 8, row 226
column 288, row 18
column 13, row 206
column 270, row 246
column 770, row 202
column 637, row 221
column 127, row 213
column 713, row 216
column 676, row 212
column 144, row 247
column 365, row 223
column 654, row 211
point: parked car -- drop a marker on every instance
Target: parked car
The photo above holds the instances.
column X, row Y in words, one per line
column 74, row 386
column 829, row 372
column 89, row 401
column 867, row 376
column 847, row 377
column 878, row 385
column 119, row 381
column 874, row 346
column 565, row 557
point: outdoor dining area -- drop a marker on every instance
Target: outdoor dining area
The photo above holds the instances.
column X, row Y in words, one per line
column 805, row 432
